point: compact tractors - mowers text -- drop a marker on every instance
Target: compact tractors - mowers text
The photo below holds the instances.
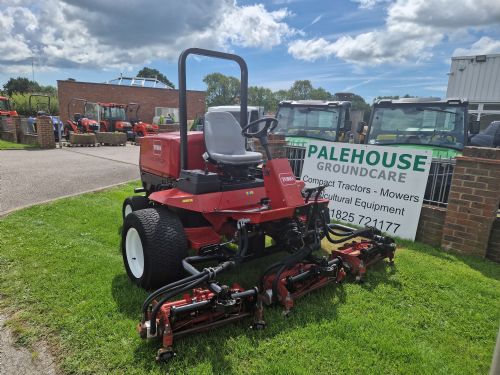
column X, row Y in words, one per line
column 206, row 191
column 140, row 128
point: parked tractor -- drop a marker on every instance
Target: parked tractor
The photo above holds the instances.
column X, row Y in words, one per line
column 112, row 118
column 82, row 123
column 206, row 191
column 440, row 126
column 140, row 128
column 42, row 108
column 6, row 107
column 303, row 120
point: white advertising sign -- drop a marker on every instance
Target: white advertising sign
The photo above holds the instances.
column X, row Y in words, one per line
column 368, row 185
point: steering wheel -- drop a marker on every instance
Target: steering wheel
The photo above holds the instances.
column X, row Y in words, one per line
column 444, row 137
column 270, row 125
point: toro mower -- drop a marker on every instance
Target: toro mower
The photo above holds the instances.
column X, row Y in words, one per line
column 140, row 128
column 86, row 123
column 206, row 191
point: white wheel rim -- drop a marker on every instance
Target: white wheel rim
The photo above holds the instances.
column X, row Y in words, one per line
column 135, row 253
column 128, row 210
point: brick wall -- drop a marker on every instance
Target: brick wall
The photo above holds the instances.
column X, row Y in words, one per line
column 45, row 132
column 8, row 128
column 473, row 201
column 147, row 97
column 277, row 144
column 430, row 225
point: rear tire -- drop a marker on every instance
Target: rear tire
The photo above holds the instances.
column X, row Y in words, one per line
column 134, row 203
column 153, row 247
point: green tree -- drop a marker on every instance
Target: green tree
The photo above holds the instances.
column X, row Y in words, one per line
column 320, row 94
column 261, row 96
column 20, row 85
column 301, row 90
column 221, row 89
column 155, row 73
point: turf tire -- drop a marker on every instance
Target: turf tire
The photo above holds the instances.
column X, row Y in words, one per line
column 164, row 246
column 134, row 203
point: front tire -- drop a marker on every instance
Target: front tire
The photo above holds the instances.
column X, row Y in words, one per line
column 134, row 203
column 153, row 247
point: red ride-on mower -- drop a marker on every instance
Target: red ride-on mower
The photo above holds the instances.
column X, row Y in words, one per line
column 205, row 191
column 141, row 129
column 81, row 123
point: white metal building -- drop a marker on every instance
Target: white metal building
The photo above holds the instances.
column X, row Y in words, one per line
column 477, row 78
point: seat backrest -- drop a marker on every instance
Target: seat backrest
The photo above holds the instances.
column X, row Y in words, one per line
column 223, row 134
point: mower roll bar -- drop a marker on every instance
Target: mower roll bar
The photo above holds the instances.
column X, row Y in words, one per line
column 183, row 94
column 39, row 95
column 75, row 100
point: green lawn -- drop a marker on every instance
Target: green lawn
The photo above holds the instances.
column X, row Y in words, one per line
column 62, row 278
column 6, row 145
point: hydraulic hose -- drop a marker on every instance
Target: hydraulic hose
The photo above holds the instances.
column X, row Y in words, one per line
column 175, row 284
column 169, row 295
column 200, row 278
column 361, row 232
column 167, row 288
column 287, row 262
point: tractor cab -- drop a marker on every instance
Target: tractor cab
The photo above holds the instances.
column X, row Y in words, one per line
column 112, row 118
column 302, row 120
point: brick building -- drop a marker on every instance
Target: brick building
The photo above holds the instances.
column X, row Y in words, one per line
column 147, row 97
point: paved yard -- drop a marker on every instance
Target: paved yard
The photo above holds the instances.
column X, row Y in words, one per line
column 33, row 176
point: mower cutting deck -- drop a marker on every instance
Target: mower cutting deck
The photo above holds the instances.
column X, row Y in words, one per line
column 206, row 191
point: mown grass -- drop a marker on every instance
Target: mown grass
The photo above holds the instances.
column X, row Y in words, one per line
column 61, row 275
column 6, row 145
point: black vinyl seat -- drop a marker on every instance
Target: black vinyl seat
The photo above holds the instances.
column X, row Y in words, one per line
column 224, row 142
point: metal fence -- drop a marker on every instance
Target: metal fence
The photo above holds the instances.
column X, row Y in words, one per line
column 438, row 183
column 295, row 155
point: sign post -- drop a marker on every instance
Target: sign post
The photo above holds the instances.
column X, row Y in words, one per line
column 368, row 185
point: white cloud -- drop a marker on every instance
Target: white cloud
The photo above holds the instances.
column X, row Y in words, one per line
column 369, row 4
column 99, row 34
column 412, row 29
column 483, row 46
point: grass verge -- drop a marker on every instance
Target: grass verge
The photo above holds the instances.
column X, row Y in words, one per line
column 6, row 145
column 62, row 276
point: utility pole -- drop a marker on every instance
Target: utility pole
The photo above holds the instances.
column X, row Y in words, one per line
column 33, row 67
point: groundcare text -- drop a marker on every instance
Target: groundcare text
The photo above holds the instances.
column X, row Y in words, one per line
column 369, row 185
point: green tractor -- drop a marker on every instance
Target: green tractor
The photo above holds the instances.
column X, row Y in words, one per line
column 301, row 121
column 441, row 126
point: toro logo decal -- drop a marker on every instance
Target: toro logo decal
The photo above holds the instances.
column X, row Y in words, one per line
column 287, row 179
column 157, row 148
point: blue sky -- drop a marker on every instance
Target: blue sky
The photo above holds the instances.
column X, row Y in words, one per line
column 369, row 47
